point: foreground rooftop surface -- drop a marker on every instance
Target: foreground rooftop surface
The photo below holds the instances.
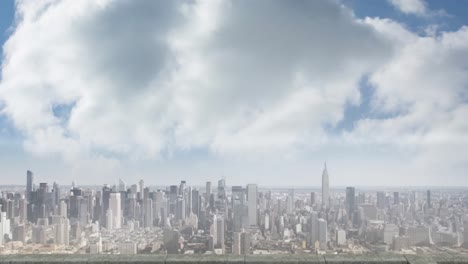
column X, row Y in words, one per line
column 247, row 259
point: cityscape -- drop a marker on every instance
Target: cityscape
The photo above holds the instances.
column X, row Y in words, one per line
column 234, row 131
column 43, row 218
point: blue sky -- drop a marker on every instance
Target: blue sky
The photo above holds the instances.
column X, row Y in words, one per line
column 266, row 97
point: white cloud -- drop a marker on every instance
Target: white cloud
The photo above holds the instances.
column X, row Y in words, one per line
column 250, row 80
column 416, row 7
column 142, row 78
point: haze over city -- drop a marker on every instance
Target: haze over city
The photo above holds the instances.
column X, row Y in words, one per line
column 94, row 91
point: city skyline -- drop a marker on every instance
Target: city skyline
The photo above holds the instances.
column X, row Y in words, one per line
column 133, row 218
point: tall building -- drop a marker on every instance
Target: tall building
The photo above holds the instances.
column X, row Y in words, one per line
column 350, row 201
column 122, row 186
column 4, row 226
column 220, row 232
column 323, row 233
column 429, row 203
column 29, row 185
column 312, row 198
column 381, row 200
column 252, row 203
column 465, row 233
column 221, row 189
column 313, row 228
column 115, row 207
column 207, row 191
column 396, row 198
column 325, row 187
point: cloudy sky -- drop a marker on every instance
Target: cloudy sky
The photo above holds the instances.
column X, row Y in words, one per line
column 253, row 91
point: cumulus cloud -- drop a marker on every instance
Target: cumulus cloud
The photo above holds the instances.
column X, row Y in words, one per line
column 141, row 80
column 415, row 7
column 147, row 77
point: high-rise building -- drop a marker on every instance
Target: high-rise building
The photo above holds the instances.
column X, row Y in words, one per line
column 4, row 226
column 313, row 228
column 429, row 203
column 390, row 231
column 142, row 188
column 381, row 200
column 115, row 207
column 396, row 198
column 207, row 191
column 252, row 203
column 465, row 233
column 312, row 198
column 221, row 189
column 148, row 217
column 220, row 232
column 29, row 185
column 122, row 186
column 323, row 233
column 350, row 201
column 325, row 187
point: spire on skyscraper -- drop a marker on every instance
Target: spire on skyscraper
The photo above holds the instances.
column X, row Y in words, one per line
column 325, row 186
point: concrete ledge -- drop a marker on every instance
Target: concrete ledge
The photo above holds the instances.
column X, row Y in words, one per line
column 236, row 259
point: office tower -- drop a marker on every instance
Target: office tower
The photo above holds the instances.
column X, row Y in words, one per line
column 350, row 201
column 245, row 243
column 29, row 195
column 290, row 202
column 61, row 230
column 171, row 241
column 23, row 210
column 29, row 185
column 196, row 202
column 109, row 221
column 188, row 201
column 381, row 200
column 4, row 226
column 134, row 189
column 180, row 212
column 323, row 233
column 465, row 233
column 148, row 219
column 429, row 203
column 159, row 203
column 19, row 233
column 142, row 187
column 39, row 235
column 63, row 209
column 220, row 232
column 252, row 203
column 182, row 188
column 236, row 245
column 221, row 189
column 312, row 198
column 115, row 207
column 313, row 228
column 208, row 191
column 325, row 187
column 341, row 237
column 122, row 186
column 390, row 231
column 56, row 189
column 396, row 198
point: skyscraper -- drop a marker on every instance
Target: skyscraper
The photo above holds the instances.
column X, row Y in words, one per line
column 350, row 201
column 29, row 185
column 429, row 204
column 115, row 207
column 381, row 200
column 325, row 186
column 252, row 203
